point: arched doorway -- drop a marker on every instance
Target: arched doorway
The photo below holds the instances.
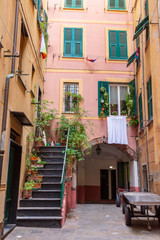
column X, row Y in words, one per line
column 101, row 175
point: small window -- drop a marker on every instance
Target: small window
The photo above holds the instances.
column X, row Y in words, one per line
column 117, row 99
column 116, row 4
column 68, row 100
column 73, row 4
column 118, row 45
column 149, row 98
column 73, row 46
column 140, row 111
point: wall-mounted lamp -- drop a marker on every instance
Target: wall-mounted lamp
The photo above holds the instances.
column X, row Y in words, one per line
column 98, row 150
column 111, row 167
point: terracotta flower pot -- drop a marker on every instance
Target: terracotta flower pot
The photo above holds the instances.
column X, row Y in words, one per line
column 27, row 193
column 37, row 185
column 28, row 172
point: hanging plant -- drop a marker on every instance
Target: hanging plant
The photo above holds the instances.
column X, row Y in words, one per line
column 102, row 89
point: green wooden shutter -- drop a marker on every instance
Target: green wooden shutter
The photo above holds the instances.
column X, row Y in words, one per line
column 78, row 42
column 100, row 96
column 140, row 110
column 111, row 4
column 122, row 37
column 149, row 98
column 113, row 52
column 120, row 170
column 78, row 3
column 121, row 4
column 132, row 89
column 68, row 3
column 68, row 42
column 39, row 11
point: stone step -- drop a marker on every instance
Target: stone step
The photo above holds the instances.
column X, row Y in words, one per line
column 49, row 178
column 57, row 159
column 45, row 222
column 50, row 154
column 50, row 186
column 40, row 202
column 39, row 211
column 55, row 165
column 46, row 193
column 51, row 149
column 49, row 172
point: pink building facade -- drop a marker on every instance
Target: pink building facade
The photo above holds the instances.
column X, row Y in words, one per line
column 102, row 32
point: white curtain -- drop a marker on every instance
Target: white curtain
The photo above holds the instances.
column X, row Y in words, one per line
column 117, row 130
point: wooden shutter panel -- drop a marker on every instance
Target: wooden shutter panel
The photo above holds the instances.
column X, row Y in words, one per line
column 111, row 3
column 67, row 41
column 106, row 86
column 78, row 3
column 133, row 85
column 122, row 44
column 140, row 110
column 120, row 168
column 78, row 42
column 112, row 44
column 39, row 10
column 68, row 3
column 122, row 4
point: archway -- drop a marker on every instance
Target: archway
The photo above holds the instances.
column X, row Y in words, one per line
column 101, row 175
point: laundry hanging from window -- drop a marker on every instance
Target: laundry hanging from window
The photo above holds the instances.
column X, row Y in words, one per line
column 117, row 130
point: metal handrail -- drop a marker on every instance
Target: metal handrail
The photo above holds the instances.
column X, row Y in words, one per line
column 64, row 169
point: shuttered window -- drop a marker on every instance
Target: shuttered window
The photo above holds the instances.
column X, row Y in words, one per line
column 140, row 110
column 118, row 45
column 73, row 42
column 74, row 3
column 117, row 4
column 149, row 98
column 39, row 11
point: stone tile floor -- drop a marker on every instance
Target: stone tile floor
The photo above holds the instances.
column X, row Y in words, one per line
column 91, row 222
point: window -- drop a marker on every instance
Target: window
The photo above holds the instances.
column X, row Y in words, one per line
column 140, row 111
column 117, row 4
column 73, row 4
column 68, row 100
column 73, row 46
column 147, row 14
column 118, row 45
column 149, row 98
column 117, row 99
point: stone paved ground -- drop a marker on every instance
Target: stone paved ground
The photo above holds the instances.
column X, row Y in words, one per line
column 91, row 222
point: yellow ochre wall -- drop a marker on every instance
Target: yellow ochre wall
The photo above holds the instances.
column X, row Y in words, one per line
column 19, row 96
column 151, row 54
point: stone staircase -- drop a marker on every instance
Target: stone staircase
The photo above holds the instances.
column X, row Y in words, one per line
column 44, row 208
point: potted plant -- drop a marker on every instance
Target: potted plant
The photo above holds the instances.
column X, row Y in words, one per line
column 114, row 113
column 124, row 113
column 36, row 177
column 37, row 184
column 34, row 170
column 27, row 189
column 134, row 121
column 41, row 164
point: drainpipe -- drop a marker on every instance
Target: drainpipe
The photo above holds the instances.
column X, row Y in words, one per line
column 144, row 100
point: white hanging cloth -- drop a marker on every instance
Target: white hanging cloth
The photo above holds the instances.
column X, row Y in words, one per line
column 117, row 130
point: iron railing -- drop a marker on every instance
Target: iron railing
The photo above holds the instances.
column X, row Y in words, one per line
column 64, row 170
